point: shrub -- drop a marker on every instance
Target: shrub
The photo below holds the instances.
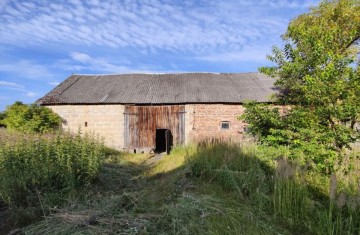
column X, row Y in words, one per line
column 50, row 164
column 30, row 118
column 2, row 117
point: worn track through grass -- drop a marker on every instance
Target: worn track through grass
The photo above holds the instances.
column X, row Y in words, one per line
column 217, row 189
column 140, row 194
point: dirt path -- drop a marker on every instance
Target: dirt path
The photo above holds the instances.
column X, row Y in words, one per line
column 155, row 158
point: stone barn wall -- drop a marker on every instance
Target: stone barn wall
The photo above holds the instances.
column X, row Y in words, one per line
column 107, row 121
column 204, row 121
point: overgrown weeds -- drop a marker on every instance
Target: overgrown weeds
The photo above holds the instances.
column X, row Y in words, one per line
column 296, row 202
column 39, row 169
column 212, row 188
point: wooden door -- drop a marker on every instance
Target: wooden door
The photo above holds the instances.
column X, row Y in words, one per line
column 141, row 123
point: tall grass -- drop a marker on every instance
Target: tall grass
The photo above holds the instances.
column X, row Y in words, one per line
column 33, row 167
column 235, row 168
column 212, row 188
column 294, row 200
column 290, row 194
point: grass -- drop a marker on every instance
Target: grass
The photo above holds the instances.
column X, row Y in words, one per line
column 35, row 165
column 206, row 189
column 39, row 172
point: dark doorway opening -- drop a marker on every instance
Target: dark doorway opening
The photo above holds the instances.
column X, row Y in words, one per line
column 164, row 141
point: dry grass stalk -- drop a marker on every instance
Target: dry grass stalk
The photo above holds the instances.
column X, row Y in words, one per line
column 285, row 169
column 333, row 187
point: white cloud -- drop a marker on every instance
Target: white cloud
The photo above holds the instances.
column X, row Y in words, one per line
column 246, row 54
column 82, row 61
column 81, row 57
column 27, row 69
column 3, row 3
column 32, row 94
column 10, row 84
column 18, row 88
column 156, row 24
column 54, row 83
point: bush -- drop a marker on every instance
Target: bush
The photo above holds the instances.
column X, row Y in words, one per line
column 30, row 118
column 2, row 117
column 53, row 164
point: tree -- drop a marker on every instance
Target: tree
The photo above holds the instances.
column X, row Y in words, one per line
column 318, row 77
column 2, row 117
column 30, row 118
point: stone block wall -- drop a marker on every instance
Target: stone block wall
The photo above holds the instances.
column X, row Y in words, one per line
column 204, row 121
column 107, row 121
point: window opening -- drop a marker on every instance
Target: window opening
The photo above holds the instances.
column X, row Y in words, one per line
column 225, row 125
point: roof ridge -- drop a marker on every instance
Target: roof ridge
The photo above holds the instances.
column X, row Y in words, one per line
column 116, row 74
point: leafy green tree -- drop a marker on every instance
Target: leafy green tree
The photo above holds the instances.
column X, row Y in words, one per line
column 318, row 77
column 30, row 118
column 2, row 117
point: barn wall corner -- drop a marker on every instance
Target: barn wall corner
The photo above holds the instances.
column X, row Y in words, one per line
column 205, row 121
column 106, row 121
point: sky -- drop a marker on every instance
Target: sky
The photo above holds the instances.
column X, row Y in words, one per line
column 42, row 42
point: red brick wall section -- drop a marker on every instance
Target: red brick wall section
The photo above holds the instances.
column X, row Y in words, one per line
column 207, row 120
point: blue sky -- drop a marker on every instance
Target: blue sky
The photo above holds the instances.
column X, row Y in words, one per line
column 43, row 42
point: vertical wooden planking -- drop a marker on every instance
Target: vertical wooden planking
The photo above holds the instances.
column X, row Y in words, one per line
column 141, row 123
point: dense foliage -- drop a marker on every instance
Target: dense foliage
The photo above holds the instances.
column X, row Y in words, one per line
column 2, row 117
column 34, row 165
column 30, row 118
column 318, row 77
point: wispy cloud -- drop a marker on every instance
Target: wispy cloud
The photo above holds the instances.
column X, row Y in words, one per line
column 81, row 57
column 79, row 62
column 286, row 3
column 54, row 83
column 32, row 94
column 17, row 88
column 3, row 3
column 83, row 62
column 26, row 69
column 10, row 84
column 247, row 54
column 148, row 24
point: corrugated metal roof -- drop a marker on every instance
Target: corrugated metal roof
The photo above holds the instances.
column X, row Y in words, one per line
column 178, row 88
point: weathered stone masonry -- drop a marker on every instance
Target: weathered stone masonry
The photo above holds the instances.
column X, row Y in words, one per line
column 202, row 121
column 107, row 121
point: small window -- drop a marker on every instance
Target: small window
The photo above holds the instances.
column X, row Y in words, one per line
column 85, row 124
column 225, row 125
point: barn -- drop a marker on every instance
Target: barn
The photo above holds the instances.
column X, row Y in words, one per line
column 152, row 112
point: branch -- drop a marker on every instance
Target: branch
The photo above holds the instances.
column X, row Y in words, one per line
column 354, row 40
